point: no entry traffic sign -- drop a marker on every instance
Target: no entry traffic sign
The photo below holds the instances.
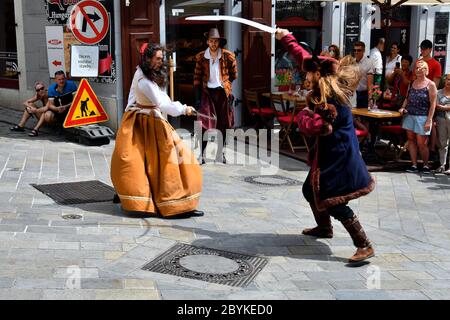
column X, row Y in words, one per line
column 89, row 21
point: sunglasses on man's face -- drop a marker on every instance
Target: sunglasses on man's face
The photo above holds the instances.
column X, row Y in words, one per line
column 357, row 50
column 40, row 89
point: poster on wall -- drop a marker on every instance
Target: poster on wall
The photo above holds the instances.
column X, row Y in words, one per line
column 107, row 63
column 84, row 61
column 58, row 13
column 55, row 49
column 69, row 41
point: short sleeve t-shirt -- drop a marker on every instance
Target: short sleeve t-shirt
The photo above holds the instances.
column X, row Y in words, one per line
column 434, row 69
column 66, row 95
column 366, row 67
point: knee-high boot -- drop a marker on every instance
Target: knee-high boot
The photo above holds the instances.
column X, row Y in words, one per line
column 364, row 248
column 324, row 229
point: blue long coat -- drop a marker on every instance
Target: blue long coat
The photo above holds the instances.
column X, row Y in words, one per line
column 338, row 173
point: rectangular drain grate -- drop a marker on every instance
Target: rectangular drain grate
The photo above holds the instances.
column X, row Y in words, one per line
column 205, row 264
column 77, row 192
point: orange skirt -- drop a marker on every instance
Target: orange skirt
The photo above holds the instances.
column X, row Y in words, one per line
column 152, row 170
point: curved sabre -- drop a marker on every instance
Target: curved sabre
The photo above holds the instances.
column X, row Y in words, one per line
column 214, row 117
column 251, row 23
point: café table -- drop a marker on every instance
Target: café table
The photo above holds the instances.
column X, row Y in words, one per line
column 286, row 96
column 374, row 117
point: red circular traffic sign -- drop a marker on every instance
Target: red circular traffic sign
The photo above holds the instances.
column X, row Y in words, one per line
column 89, row 22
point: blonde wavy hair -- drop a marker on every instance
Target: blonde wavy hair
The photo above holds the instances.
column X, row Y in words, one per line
column 342, row 84
column 420, row 64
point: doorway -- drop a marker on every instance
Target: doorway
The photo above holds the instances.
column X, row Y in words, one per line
column 184, row 40
column 140, row 23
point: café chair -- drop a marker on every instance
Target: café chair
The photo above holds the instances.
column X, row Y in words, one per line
column 263, row 114
column 286, row 119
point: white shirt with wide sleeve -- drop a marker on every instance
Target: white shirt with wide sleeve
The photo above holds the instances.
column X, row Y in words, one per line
column 151, row 92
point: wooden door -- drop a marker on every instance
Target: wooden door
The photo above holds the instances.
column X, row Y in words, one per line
column 140, row 23
column 256, row 47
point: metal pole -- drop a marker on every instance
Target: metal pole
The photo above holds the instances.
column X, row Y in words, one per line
column 118, row 57
column 171, row 66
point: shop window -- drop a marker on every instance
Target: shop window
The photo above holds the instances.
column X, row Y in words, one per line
column 8, row 48
column 398, row 31
column 305, row 10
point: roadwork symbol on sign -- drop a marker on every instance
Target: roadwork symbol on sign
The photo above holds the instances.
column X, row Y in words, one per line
column 86, row 108
column 89, row 21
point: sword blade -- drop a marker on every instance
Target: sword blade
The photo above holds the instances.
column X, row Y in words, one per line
column 251, row 23
column 205, row 115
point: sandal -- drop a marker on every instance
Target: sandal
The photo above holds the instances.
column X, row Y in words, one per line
column 17, row 128
column 439, row 170
column 33, row 133
column 447, row 172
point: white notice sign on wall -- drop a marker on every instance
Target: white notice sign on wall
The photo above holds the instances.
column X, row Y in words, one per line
column 55, row 49
column 84, row 61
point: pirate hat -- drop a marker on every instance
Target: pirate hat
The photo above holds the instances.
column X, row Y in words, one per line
column 213, row 33
column 325, row 65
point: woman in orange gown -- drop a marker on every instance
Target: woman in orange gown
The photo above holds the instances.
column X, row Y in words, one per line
column 151, row 168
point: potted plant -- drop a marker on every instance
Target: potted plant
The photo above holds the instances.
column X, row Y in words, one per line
column 284, row 79
column 376, row 94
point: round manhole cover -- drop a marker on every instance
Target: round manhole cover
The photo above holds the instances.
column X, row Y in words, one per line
column 72, row 216
column 209, row 264
column 269, row 180
column 274, row 180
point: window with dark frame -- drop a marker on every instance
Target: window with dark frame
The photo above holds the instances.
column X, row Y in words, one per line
column 9, row 76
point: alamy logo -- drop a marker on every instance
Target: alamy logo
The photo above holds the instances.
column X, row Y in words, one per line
column 374, row 278
column 74, row 278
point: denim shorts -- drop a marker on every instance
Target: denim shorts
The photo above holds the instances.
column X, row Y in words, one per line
column 416, row 124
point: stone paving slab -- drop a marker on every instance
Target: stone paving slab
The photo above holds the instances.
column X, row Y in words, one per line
column 407, row 218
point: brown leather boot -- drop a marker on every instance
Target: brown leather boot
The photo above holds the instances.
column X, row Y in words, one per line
column 324, row 228
column 364, row 248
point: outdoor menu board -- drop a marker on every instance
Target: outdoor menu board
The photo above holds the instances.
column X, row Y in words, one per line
column 352, row 25
column 440, row 37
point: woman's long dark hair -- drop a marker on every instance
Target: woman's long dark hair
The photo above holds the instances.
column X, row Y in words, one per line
column 157, row 76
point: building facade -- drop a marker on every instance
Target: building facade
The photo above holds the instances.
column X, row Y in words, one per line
column 25, row 57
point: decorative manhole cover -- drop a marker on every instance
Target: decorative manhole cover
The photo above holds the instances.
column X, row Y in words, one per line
column 77, row 192
column 272, row 180
column 207, row 264
column 72, row 216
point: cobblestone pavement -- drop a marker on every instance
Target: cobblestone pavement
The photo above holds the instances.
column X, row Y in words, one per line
column 407, row 217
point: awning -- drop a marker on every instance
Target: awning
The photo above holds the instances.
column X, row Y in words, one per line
column 407, row 3
column 395, row 2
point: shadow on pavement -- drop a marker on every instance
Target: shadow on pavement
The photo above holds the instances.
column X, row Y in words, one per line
column 438, row 181
column 47, row 134
column 295, row 246
column 264, row 244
